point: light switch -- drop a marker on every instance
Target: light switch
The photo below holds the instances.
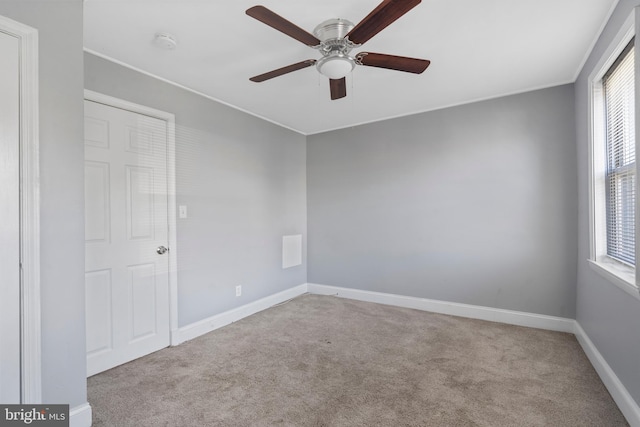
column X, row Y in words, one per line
column 182, row 211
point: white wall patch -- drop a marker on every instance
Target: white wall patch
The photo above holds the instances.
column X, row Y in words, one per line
column 291, row 250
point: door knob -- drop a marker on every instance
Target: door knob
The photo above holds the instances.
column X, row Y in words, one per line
column 161, row 250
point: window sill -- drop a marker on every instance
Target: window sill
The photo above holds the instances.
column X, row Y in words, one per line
column 620, row 275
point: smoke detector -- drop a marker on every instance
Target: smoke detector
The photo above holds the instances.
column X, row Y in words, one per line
column 165, row 41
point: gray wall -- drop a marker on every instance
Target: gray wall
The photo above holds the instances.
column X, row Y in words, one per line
column 473, row 204
column 61, row 193
column 607, row 314
column 244, row 183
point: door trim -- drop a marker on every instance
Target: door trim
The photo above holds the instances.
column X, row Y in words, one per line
column 169, row 118
column 30, row 328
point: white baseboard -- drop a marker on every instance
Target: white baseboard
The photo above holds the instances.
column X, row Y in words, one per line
column 204, row 326
column 80, row 416
column 618, row 391
column 511, row 317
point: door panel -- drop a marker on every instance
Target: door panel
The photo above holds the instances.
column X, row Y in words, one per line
column 9, row 220
column 99, row 310
column 143, row 289
column 97, row 226
column 139, row 202
column 127, row 296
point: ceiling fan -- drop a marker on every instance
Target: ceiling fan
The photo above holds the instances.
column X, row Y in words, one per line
column 335, row 38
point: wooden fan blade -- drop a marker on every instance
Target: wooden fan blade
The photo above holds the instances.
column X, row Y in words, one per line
column 276, row 21
column 283, row 70
column 338, row 88
column 380, row 18
column 392, row 62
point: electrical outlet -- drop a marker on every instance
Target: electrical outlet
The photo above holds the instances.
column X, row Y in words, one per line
column 238, row 290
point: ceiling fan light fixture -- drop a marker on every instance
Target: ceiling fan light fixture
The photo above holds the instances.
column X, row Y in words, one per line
column 336, row 38
column 336, row 66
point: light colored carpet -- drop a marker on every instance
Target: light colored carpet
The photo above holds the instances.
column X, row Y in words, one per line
column 326, row 361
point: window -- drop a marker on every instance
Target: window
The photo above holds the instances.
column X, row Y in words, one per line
column 620, row 175
column 612, row 158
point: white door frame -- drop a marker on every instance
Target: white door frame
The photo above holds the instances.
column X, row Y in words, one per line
column 31, row 373
column 171, row 193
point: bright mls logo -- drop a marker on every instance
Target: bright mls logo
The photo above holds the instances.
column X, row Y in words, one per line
column 34, row 415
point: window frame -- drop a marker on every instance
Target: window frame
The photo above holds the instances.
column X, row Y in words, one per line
column 618, row 165
column 620, row 274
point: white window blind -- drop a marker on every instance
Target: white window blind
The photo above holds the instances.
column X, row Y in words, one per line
column 618, row 84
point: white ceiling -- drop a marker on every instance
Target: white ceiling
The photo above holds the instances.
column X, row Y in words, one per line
column 478, row 49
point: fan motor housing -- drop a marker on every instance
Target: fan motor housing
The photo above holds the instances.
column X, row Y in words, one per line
column 333, row 29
